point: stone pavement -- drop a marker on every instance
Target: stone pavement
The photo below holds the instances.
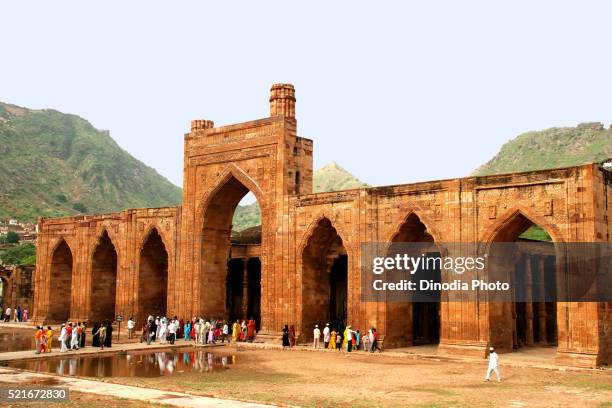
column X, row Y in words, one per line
column 30, row 354
column 150, row 395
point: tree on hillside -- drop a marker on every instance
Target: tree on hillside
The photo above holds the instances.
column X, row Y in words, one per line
column 11, row 238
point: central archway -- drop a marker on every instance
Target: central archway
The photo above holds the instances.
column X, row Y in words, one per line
column 324, row 280
column 226, row 283
column 61, row 283
column 103, row 281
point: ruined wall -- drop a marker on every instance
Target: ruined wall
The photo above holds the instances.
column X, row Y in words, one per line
column 303, row 234
column 18, row 287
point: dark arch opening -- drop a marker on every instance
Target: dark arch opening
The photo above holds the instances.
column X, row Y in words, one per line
column 153, row 278
column 229, row 287
column 413, row 323
column 530, row 318
column 103, row 281
column 60, row 293
column 324, row 280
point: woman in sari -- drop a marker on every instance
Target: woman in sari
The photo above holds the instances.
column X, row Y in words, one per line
column 95, row 339
column 235, row 331
column 345, row 338
column 292, row 336
column 332, row 340
column 251, row 330
column 187, row 330
column 82, row 336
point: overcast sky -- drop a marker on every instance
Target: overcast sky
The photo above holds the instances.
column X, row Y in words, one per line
column 393, row 91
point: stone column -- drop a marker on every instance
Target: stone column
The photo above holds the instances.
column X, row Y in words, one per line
column 245, row 287
column 529, row 302
column 542, row 304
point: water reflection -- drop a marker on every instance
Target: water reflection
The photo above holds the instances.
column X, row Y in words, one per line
column 136, row 364
column 17, row 340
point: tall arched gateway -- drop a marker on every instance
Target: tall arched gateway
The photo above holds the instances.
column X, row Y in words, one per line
column 225, row 288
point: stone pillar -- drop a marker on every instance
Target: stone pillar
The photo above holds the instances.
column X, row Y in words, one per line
column 542, row 304
column 245, row 287
column 529, row 302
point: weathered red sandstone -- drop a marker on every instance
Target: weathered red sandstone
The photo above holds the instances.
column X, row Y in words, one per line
column 180, row 260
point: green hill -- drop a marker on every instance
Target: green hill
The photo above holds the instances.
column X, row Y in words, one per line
column 551, row 148
column 56, row 164
column 328, row 178
column 548, row 149
column 334, row 178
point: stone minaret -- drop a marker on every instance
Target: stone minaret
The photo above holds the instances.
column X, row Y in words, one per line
column 282, row 100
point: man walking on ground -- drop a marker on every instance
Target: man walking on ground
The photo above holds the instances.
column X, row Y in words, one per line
column 493, row 365
column 317, row 336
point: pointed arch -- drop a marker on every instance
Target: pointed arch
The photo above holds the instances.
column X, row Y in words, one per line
column 152, row 298
column 491, row 233
column 232, row 171
column 214, row 225
column 323, row 265
column 60, row 293
column 103, row 282
column 430, row 226
column 313, row 225
column 523, row 319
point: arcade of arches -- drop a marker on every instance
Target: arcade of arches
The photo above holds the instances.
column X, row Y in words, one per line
column 305, row 266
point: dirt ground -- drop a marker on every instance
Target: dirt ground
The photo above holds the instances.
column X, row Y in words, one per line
column 337, row 379
column 80, row 400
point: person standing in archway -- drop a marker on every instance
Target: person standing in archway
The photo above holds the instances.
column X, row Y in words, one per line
column 292, row 336
column 285, row 336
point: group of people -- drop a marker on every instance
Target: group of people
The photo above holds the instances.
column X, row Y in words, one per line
column 18, row 315
column 43, row 339
column 339, row 339
column 197, row 329
column 72, row 336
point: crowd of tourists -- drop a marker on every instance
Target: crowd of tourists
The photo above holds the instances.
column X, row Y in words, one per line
column 16, row 314
column 197, row 330
column 337, row 338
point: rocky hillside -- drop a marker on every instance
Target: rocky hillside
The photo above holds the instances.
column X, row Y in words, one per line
column 328, row 178
column 55, row 164
column 551, row 148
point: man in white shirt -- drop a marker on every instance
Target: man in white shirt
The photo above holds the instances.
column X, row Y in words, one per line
column 131, row 325
column 326, row 336
column 225, row 333
column 7, row 315
column 317, row 336
column 493, row 365
column 172, row 331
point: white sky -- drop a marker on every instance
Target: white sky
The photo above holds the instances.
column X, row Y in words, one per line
column 393, row 91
